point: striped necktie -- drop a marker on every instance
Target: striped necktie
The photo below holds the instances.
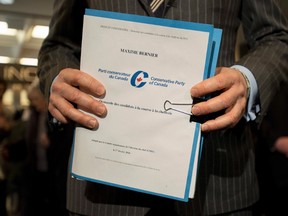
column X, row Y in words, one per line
column 157, row 7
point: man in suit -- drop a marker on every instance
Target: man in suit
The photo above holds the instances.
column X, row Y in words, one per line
column 227, row 183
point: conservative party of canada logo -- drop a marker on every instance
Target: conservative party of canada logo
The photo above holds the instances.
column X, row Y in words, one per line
column 139, row 79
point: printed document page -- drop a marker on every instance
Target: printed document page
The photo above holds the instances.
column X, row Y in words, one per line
column 146, row 66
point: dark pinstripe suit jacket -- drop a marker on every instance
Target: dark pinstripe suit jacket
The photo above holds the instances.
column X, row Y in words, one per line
column 227, row 180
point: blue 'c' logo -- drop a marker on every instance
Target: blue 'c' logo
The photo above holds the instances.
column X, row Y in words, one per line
column 137, row 79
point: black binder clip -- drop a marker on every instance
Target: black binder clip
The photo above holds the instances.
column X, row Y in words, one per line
column 178, row 107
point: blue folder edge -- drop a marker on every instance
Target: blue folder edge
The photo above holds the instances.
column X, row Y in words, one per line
column 211, row 61
column 215, row 48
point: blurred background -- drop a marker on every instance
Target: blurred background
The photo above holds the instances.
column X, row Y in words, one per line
column 23, row 25
column 24, row 180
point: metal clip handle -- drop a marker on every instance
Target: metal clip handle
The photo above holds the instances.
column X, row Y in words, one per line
column 168, row 106
column 178, row 107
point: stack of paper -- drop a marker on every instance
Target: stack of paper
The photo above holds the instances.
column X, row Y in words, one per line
column 144, row 62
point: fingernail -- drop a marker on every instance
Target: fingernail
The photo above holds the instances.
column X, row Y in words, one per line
column 100, row 90
column 92, row 123
column 193, row 92
column 195, row 110
column 101, row 110
column 204, row 128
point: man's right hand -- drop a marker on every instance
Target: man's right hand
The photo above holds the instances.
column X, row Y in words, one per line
column 74, row 87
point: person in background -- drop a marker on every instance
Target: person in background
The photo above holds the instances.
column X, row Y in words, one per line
column 272, row 158
column 4, row 132
column 14, row 154
column 227, row 181
column 36, row 180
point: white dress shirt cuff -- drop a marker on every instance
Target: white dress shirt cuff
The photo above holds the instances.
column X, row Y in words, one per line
column 253, row 105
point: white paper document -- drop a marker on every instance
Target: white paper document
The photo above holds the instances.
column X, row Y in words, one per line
column 146, row 65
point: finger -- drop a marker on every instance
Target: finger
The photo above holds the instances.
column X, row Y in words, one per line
column 70, row 112
column 213, row 84
column 227, row 120
column 224, row 79
column 220, row 102
column 83, row 100
column 56, row 114
column 84, row 81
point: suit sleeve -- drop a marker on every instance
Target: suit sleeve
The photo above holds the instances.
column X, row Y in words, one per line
column 266, row 31
column 61, row 49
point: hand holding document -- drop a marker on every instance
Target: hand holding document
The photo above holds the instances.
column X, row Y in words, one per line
column 144, row 144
